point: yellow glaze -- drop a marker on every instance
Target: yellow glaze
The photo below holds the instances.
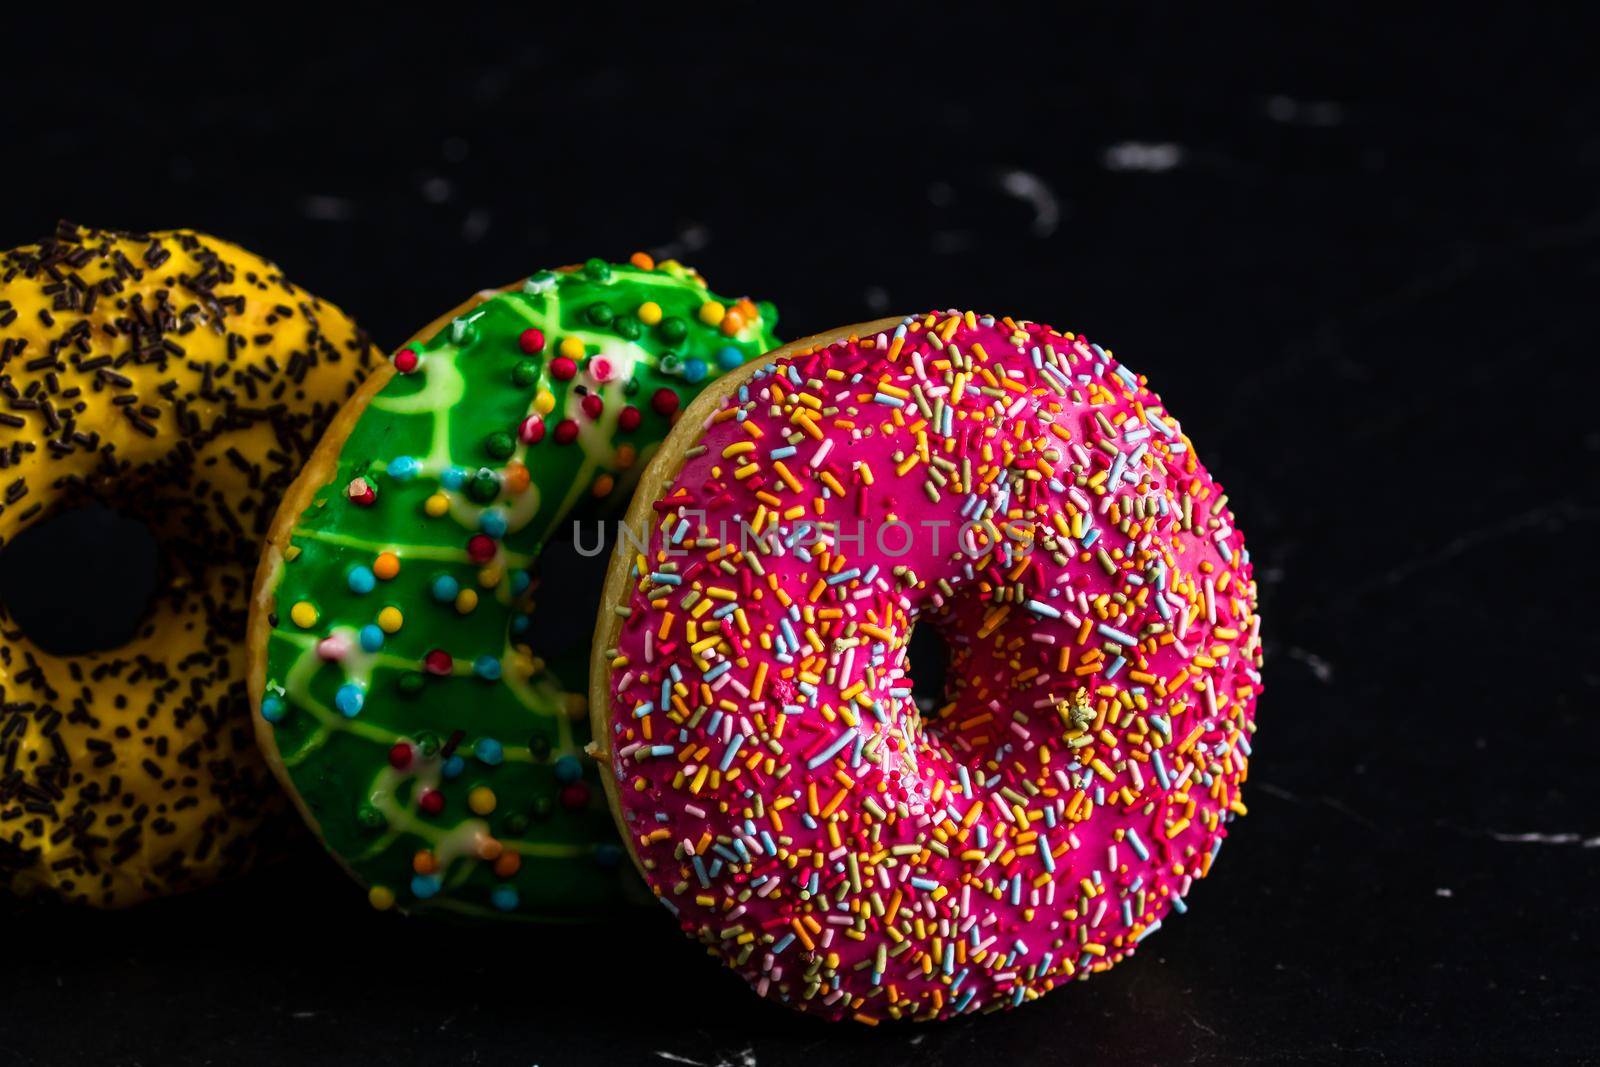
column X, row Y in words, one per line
column 181, row 381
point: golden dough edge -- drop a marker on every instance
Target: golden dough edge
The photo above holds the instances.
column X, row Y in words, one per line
column 663, row 467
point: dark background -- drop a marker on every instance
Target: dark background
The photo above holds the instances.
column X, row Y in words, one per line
column 1358, row 258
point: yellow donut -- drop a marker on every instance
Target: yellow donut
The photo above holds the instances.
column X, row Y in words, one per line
column 181, row 381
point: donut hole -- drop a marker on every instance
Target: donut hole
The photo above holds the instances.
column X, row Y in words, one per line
column 81, row 580
column 566, row 601
column 929, row 657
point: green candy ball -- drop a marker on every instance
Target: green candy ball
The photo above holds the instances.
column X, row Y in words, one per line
column 483, row 487
column 673, row 330
column 500, row 445
column 370, row 819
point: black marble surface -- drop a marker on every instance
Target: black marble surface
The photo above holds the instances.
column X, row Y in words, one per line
column 1358, row 258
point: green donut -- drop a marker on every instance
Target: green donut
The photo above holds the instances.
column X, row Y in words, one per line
column 440, row 760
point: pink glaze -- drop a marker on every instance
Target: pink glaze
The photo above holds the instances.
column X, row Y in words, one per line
column 792, row 807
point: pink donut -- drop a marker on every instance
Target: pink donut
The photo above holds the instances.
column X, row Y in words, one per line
column 1027, row 495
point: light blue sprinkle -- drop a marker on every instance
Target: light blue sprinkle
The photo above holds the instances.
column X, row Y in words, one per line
column 1116, row 635
column 844, row 738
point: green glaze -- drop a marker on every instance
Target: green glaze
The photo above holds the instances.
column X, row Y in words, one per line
column 456, row 418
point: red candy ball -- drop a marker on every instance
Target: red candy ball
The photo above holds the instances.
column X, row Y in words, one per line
column 431, row 801
column 400, row 755
column 438, row 662
column 531, row 340
column 628, row 419
column 480, row 548
column 405, row 361
column 361, row 492
column 532, row 430
column 575, row 796
column 566, row 432
column 563, row 369
column 664, row 401
column 593, row 405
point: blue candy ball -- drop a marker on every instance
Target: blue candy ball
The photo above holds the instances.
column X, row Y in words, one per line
column 273, row 709
column 568, row 770
column 361, row 580
column 489, row 751
column 371, row 637
column 403, row 468
column 424, row 886
column 493, row 523
column 694, row 369
column 729, row 357
column 445, row 588
column 349, row 699
column 505, row 898
column 452, row 767
column 453, row 478
column 486, row 667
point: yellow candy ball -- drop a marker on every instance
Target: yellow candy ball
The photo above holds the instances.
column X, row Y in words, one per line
column 466, row 600
column 390, row 620
column 481, row 800
column 381, row 897
column 711, row 312
column 304, row 614
column 436, row 505
column 649, row 312
column 572, row 348
column 489, row 577
column 545, row 402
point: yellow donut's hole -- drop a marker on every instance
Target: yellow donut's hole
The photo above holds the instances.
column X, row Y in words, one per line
column 81, row 580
